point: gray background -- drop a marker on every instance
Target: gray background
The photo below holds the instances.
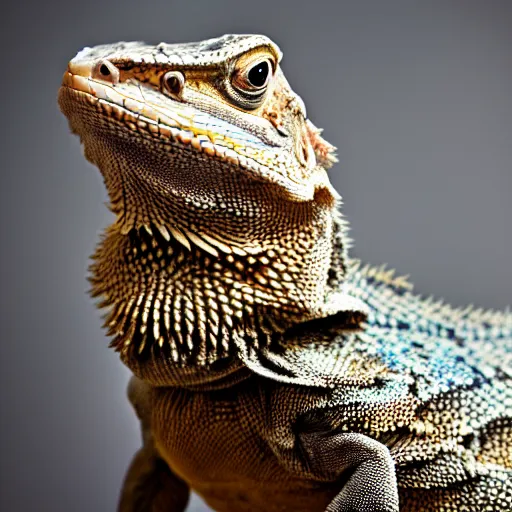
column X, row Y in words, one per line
column 417, row 97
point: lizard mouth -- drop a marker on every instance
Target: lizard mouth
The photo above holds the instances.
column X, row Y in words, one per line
column 152, row 116
column 182, row 123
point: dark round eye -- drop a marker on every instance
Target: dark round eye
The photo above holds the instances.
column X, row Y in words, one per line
column 258, row 74
column 247, row 83
column 174, row 82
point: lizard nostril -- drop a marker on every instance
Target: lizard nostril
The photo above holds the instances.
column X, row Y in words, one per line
column 105, row 70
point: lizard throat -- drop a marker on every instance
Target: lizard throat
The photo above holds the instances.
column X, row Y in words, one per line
column 187, row 309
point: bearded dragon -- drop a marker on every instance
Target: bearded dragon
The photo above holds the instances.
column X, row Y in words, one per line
column 272, row 371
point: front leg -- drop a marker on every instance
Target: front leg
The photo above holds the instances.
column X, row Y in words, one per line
column 371, row 486
column 149, row 484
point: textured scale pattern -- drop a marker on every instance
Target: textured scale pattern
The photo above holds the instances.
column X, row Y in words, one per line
column 165, row 297
column 271, row 371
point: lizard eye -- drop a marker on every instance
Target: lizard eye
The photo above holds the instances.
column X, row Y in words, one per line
column 173, row 82
column 252, row 78
column 258, row 74
column 249, row 80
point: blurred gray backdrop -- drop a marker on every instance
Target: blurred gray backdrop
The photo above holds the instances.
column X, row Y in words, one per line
column 416, row 96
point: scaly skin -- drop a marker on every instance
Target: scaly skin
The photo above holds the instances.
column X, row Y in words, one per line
column 271, row 371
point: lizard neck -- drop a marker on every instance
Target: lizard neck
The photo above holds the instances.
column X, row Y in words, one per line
column 193, row 309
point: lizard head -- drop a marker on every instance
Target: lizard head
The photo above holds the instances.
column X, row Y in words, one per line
column 210, row 126
column 227, row 227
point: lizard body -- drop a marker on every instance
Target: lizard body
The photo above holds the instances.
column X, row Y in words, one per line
column 272, row 372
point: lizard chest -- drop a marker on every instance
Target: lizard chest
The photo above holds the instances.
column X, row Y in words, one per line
column 215, row 445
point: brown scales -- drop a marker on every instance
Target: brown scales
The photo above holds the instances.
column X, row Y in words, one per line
column 168, row 301
column 274, row 373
